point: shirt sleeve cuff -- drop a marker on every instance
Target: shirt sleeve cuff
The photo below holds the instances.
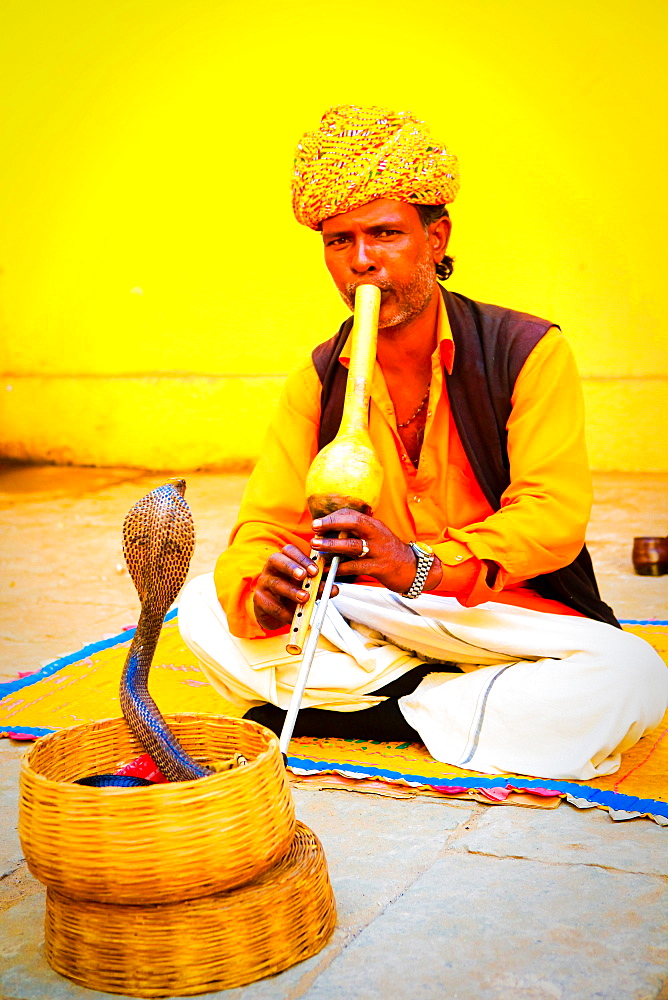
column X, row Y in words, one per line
column 490, row 578
column 453, row 553
column 487, row 583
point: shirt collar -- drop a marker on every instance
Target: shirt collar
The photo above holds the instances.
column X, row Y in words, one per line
column 445, row 343
column 444, row 339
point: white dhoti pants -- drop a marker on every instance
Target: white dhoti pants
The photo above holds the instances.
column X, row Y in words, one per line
column 553, row 696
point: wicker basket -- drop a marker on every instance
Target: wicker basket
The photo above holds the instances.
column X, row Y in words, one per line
column 206, row 944
column 166, row 843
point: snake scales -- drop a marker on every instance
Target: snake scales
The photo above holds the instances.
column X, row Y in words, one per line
column 158, row 543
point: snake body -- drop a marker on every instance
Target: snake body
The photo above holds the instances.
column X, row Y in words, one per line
column 158, row 542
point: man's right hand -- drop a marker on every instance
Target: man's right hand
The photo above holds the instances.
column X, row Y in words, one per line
column 278, row 589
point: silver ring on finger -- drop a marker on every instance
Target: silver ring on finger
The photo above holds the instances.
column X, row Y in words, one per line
column 365, row 549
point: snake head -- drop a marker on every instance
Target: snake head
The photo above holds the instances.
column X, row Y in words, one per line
column 158, row 542
column 178, row 484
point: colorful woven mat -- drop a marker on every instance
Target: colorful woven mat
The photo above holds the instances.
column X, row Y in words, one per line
column 83, row 687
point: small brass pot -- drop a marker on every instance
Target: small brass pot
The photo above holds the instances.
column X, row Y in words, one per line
column 650, row 556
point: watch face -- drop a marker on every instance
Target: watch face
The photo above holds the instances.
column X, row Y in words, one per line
column 423, row 547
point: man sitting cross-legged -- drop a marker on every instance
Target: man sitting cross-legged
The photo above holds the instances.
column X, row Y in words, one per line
column 470, row 619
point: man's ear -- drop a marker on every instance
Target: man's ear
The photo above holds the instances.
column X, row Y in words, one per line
column 439, row 236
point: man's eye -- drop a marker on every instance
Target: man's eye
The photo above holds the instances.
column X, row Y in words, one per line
column 389, row 232
column 337, row 241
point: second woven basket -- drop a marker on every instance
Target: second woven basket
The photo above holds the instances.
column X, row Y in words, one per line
column 212, row 943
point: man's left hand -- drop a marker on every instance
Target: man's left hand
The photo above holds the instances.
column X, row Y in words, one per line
column 388, row 559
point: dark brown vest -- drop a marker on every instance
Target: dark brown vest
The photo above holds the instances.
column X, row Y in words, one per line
column 491, row 346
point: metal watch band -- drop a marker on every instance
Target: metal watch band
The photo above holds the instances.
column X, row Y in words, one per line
column 424, row 561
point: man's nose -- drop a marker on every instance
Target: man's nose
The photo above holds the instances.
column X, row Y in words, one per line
column 362, row 260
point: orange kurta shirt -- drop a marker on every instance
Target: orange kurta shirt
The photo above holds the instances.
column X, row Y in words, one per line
column 539, row 528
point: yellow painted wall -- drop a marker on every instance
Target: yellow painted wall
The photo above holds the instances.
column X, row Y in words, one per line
column 155, row 288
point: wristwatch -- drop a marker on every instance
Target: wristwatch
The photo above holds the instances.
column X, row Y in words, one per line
column 424, row 555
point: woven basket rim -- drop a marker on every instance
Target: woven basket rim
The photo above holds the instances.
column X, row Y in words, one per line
column 159, row 788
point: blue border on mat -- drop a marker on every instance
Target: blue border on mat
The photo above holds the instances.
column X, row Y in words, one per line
column 597, row 796
column 18, row 731
column 641, row 621
column 64, row 661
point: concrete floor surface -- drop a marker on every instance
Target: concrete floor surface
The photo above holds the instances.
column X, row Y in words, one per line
column 436, row 898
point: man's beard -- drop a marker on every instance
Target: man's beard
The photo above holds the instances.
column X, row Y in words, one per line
column 414, row 297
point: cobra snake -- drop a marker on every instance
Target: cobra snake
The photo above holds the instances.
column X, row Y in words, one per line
column 158, row 543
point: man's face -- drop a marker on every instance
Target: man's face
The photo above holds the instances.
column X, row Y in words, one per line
column 384, row 243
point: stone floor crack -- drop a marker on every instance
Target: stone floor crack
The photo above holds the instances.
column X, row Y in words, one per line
column 560, row 864
column 467, row 825
column 9, row 874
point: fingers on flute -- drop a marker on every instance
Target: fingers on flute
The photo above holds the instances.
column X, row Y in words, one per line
column 291, row 563
column 296, row 562
column 270, row 612
column 286, row 590
column 342, row 520
column 349, row 547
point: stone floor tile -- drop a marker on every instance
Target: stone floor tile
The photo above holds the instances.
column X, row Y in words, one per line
column 508, row 929
column 375, row 847
column 570, row 836
column 24, row 971
column 10, row 766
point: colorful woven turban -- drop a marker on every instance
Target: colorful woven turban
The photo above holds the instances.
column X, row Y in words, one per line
column 360, row 154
